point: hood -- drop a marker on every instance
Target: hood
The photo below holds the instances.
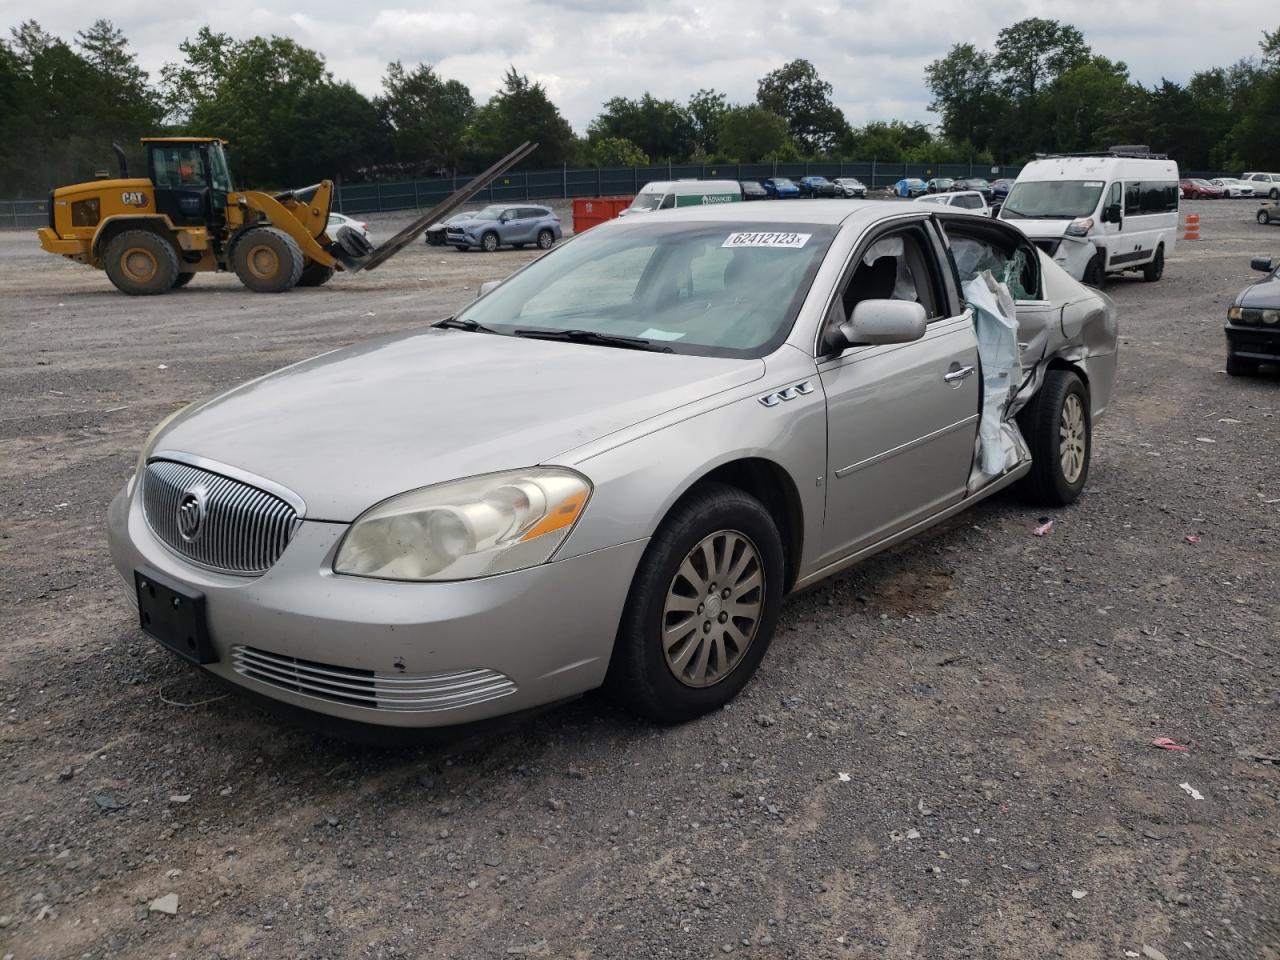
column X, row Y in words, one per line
column 1262, row 295
column 350, row 428
column 1040, row 229
column 464, row 222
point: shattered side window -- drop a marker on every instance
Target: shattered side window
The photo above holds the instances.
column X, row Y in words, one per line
column 974, row 256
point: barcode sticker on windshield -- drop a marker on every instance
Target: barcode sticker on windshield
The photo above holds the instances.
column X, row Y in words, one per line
column 789, row 240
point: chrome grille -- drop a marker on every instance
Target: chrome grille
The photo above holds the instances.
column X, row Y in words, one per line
column 421, row 693
column 244, row 528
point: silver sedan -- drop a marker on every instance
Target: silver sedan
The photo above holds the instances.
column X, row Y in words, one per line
column 612, row 468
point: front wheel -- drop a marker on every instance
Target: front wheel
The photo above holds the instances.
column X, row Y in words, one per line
column 267, row 260
column 489, row 242
column 1094, row 274
column 545, row 239
column 1058, row 428
column 1264, row 217
column 702, row 608
column 1154, row 270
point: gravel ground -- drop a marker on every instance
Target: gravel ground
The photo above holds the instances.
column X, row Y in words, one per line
column 947, row 753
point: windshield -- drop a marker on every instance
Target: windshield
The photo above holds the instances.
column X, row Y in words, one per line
column 647, row 201
column 1052, row 199
column 219, row 173
column 977, row 184
column 715, row 289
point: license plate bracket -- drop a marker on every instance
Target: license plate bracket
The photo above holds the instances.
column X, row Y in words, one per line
column 174, row 615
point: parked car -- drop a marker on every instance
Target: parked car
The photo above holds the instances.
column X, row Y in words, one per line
column 818, row 187
column 602, row 471
column 1099, row 214
column 499, row 225
column 337, row 220
column 1000, row 188
column 970, row 201
column 975, row 183
column 1253, row 322
column 1196, row 189
column 752, row 190
column 1269, row 213
column 852, row 187
column 1231, row 187
column 780, row 188
column 435, row 234
column 1264, row 184
column 940, row 185
column 909, row 187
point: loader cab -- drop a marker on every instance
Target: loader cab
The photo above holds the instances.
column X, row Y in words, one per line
column 191, row 180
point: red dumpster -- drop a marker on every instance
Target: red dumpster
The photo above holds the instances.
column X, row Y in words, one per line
column 590, row 211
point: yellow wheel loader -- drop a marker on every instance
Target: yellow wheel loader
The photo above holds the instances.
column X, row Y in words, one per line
column 153, row 234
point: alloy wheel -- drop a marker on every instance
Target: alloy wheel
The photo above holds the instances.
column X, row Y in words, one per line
column 713, row 608
column 1072, row 438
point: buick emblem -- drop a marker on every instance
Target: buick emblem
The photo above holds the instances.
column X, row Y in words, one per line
column 191, row 514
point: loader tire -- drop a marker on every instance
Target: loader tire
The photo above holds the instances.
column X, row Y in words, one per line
column 315, row 275
column 141, row 263
column 267, row 260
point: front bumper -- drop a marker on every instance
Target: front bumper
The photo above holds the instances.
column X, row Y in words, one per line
column 1253, row 342
column 397, row 654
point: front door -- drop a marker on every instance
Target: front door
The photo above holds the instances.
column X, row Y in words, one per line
column 181, row 178
column 902, row 419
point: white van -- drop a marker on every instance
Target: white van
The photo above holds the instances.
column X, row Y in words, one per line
column 1101, row 213
column 668, row 194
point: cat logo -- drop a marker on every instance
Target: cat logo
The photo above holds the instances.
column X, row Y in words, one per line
column 133, row 198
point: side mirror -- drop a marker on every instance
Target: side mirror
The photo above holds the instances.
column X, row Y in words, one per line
column 884, row 321
column 1111, row 213
column 489, row 286
column 1262, row 264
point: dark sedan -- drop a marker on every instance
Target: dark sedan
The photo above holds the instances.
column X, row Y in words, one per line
column 1253, row 322
column 975, row 183
column 818, row 187
column 751, row 190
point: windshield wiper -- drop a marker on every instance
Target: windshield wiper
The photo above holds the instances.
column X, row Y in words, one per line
column 593, row 337
column 453, row 323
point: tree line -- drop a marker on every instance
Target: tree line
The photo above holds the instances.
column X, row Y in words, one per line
column 289, row 121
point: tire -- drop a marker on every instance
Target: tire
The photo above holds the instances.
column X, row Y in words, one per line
column 1154, row 270
column 315, row 275
column 670, row 577
column 267, row 260
column 1264, row 218
column 182, row 279
column 1237, row 367
column 1094, row 275
column 489, row 242
column 546, row 239
column 1061, row 405
column 141, row 263
column 1275, row 193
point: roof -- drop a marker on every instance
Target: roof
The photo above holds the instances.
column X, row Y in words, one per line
column 183, row 140
column 780, row 211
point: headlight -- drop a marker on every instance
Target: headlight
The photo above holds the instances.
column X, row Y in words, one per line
column 467, row 528
column 1080, row 228
column 1271, row 316
column 1235, row 313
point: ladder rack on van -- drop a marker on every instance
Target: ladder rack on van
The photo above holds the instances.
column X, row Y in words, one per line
column 1137, row 152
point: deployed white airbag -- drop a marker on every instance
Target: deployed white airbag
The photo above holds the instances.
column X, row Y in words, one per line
column 1000, row 446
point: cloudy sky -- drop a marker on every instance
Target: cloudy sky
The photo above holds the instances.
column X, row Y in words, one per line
column 585, row 51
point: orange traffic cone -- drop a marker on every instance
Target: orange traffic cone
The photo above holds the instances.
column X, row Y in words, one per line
column 1193, row 227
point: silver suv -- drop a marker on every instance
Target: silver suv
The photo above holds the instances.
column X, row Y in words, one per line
column 499, row 225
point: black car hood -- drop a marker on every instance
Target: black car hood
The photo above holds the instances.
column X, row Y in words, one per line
column 1263, row 295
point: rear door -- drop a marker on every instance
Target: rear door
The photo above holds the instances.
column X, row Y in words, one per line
column 902, row 418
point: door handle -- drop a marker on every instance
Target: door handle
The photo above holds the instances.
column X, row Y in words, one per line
column 956, row 374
